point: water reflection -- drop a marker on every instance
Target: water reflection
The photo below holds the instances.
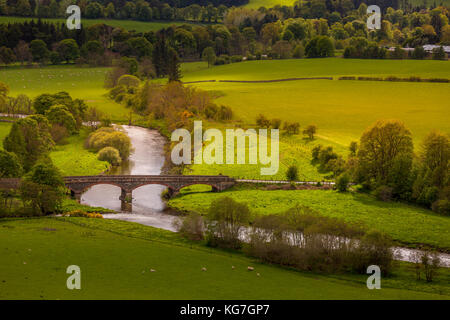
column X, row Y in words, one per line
column 147, row 205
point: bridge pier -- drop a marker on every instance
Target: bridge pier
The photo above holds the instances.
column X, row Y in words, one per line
column 126, row 198
column 171, row 192
column 76, row 195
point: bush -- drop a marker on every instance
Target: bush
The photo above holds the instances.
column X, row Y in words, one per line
column 383, row 193
column 342, row 182
column 111, row 155
column 438, row 53
column 303, row 239
column 128, row 81
column 419, row 53
column 373, row 249
column 262, row 121
column 292, row 128
column 108, row 137
column 236, row 58
column 275, row 123
column 225, row 223
column 292, row 173
column 84, row 214
column 191, row 227
column 441, row 206
column 59, row 133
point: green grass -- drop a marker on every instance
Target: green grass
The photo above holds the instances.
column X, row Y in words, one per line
column 294, row 150
column 407, row 224
column 4, row 131
column 276, row 69
column 256, row 4
column 74, row 160
column 342, row 110
column 139, row 26
column 38, row 251
column 82, row 83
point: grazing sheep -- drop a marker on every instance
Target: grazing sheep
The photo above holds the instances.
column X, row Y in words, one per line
column 232, row 267
column 203, row 269
column 250, row 268
column 152, row 270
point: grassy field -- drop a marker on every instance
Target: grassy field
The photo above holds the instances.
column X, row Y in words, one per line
column 4, row 131
column 293, row 150
column 342, row 110
column 276, row 69
column 406, row 224
column 38, row 252
column 256, row 4
column 74, row 160
column 139, row 26
column 82, row 83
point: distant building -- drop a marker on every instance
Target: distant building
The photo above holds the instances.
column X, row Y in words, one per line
column 430, row 47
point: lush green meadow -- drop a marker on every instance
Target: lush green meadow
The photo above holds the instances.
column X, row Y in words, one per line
column 74, row 160
column 342, row 110
column 115, row 258
column 4, row 131
column 325, row 67
column 407, row 224
column 139, row 26
column 256, row 4
column 82, row 83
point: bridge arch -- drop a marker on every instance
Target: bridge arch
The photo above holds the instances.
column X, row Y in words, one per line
column 153, row 183
column 212, row 185
column 87, row 186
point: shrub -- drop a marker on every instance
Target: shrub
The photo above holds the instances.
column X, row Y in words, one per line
column 342, row 182
column 383, row 193
column 373, row 249
column 128, row 81
column 441, row 206
column 224, row 113
column 108, row 137
column 316, row 152
column 419, row 53
column 58, row 133
column 438, row 53
column 84, row 214
column 236, row 58
column 303, row 239
column 191, row 227
column 275, row 123
column 225, row 223
column 262, row 121
column 292, row 128
column 292, row 173
column 111, row 155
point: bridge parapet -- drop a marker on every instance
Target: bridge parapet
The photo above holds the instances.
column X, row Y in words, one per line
column 127, row 183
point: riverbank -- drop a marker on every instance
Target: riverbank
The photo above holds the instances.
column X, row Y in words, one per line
column 424, row 228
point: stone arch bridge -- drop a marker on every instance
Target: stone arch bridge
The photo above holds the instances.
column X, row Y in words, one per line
column 127, row 183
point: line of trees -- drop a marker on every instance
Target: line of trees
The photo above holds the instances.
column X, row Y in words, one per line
column 203, row 11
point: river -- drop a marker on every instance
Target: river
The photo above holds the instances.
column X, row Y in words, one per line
column 147, row 206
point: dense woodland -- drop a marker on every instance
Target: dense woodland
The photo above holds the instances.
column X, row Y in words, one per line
column 281, row 32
